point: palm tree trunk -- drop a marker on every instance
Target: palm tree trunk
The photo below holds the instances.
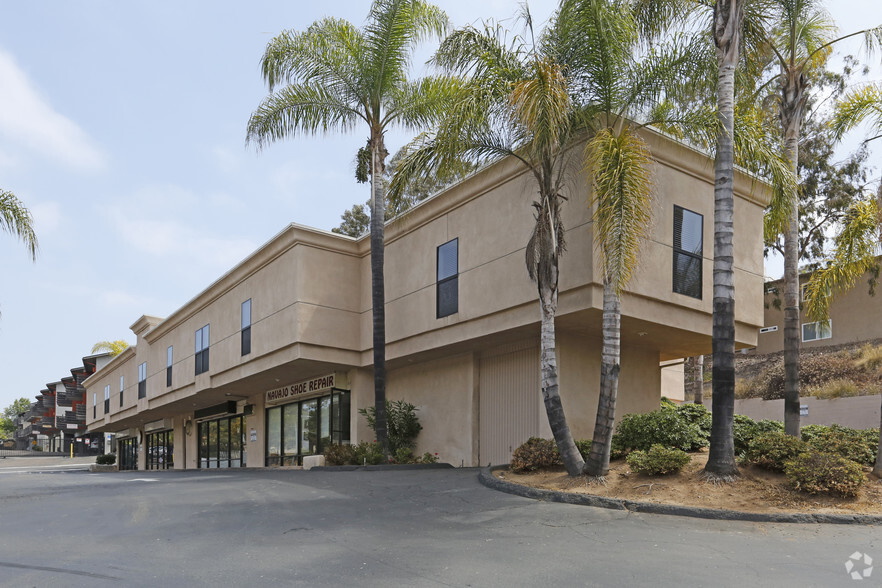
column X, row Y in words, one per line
column 598, row 459
column 698, row 380
column 792, row 102
column 557, row 420
column 721, row 457
column 378, row 294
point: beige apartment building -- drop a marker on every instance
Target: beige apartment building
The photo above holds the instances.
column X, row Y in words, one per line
column 855, row 316
column 272, row 361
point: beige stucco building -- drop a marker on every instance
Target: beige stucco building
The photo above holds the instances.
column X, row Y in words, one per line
column 854, row 317
column 272, row 361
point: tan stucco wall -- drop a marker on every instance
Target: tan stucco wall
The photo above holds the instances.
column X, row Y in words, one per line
column 854, row 316
column 859, row 412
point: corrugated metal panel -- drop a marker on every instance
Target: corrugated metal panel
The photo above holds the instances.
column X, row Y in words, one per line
column 510, row 399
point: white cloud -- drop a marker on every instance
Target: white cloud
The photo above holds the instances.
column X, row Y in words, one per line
column 30, row 121
column 47, row 216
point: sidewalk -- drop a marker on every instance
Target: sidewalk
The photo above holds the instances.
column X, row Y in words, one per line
column 47, row 462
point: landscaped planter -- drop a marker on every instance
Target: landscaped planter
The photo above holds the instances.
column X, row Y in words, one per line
column 102, row 468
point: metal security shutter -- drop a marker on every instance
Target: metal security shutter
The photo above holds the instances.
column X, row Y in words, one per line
column 510, row 399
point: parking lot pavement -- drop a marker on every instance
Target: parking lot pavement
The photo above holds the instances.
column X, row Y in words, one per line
column 392, row 528
column 10, row 464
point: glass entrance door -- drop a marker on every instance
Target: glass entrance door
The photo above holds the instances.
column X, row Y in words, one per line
column 128, row 454
column 160, row 450
column 222, row 443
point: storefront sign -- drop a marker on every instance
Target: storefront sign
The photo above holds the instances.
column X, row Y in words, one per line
column 315, row 385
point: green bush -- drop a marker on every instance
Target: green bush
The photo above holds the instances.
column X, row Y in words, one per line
column 698, row 415
column 664, row 427
column 535, row 454
column 428, row 458
column 584, row 447
column 402, row 424
column 368, row 453
column 773, row 450
column 824, row 473
column 337, row 454
column 746, row 429
column 658, row 461
column 852, row 444
column 809, row 432
column 106, row 459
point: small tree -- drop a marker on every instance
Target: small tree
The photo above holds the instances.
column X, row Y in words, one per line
column 7, row 419
column 402, row 424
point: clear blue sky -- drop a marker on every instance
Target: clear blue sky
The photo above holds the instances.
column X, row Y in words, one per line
column 122, row 127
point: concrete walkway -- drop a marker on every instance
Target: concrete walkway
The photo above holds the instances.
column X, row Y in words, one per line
column 18, row 464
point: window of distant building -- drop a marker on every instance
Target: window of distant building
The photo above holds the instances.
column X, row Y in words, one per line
column 688, row 251
column 106, row 399
column 122, row 382
column 246, row 327
column 817, row 331
column 202, row 344
column 447, row 294
column 142, row 380
column 168, row 365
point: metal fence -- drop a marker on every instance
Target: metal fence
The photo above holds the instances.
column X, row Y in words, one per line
column 24, row 453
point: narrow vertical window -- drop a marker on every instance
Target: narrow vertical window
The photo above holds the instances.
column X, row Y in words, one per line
column 142, row 380
column 122, row 382
column 246, row 327
column 168, row 365
column 202, row 344
column 106, row 399
column 447, row 295
column 688, row 251
column 94, row 405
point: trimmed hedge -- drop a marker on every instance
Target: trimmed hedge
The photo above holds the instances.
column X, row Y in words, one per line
column 667, row 427
column 824, row 473
column 658, row 461
column 106, row 459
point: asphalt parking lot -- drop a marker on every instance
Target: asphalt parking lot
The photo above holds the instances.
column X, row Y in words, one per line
column 63, row 527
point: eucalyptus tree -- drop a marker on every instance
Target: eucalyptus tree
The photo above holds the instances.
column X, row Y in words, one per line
column 800, row 42
column 336, row 77
column 514, row 103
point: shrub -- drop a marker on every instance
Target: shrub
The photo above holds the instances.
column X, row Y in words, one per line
column 584, row 447
column 402, row 424
column 36, row 448
column 746, row 429
column 535, row 454
column 337, row 454
column 846, row 442
column 658, row 461
column 404, row 455
column 827, row 473
column 870, row 357
column 427, row 458
column 368, row 453
column 838, row 388
column 773, row 450
column 106, row 459
column 698, row 415
column 662, row 427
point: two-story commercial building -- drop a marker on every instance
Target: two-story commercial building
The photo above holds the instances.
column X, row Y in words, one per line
column 273, row 360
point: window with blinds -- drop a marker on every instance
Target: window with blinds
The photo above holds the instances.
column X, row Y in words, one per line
column 688, row 250
column 448, row 279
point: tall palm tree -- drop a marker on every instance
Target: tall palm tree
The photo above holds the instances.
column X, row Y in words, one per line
column 801, row 42
column 859, row 240
column 616, row 80
column 514, row 102
column 334, row 77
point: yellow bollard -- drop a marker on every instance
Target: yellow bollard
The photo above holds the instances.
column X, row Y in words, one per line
column 71, row 450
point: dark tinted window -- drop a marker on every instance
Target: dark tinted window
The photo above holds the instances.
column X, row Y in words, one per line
column 688, row 251
column 448, row 279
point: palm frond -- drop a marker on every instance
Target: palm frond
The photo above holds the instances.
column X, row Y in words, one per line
column 418, row 104
column 112, row 347
column 297, row 109
column 17, row 220
column 856, row 107
column 620, row 167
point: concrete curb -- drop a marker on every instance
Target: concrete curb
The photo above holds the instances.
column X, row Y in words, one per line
column 383, row 467
column 97, row 467
column 486, row 477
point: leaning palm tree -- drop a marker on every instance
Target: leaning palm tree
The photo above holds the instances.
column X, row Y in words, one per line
column 616, row 79
column 514, row 103
column 800, row 43
column 114, row 348
column 335, row 76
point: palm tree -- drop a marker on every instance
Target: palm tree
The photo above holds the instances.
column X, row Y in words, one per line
column 335, row 76
column 514, row 102
column 114, row 348
column 600, row 42
column 801, row 43
column 16, row 219
column 857, row 243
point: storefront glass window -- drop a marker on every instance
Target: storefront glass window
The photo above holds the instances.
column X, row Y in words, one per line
column 291, row 419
